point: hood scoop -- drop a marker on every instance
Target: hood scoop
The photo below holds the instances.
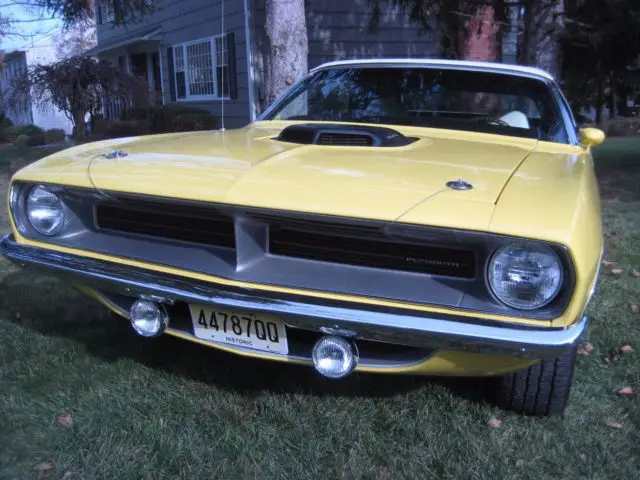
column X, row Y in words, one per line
column 343, row 135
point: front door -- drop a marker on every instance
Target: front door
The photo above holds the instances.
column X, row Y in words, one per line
column 157, row 81
column 139, row 64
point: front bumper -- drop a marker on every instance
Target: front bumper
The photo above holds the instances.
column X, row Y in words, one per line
column 392, row 325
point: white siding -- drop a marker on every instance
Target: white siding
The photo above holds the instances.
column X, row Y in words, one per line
column 39, row 52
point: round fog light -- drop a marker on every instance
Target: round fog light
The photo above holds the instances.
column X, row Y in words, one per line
column 334, row 357
column 148, row 318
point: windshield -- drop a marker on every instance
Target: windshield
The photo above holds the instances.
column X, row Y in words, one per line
column 439, row 98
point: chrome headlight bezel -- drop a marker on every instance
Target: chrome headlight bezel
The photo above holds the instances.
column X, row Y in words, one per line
column 49, row 200
column 20, row 198
column 564, row 275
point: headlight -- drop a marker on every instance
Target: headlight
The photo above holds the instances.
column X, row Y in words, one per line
column 44, row 211
column 525, row 276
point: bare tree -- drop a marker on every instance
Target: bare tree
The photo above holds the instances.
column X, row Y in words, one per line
column 76, row 86
column 76, row 39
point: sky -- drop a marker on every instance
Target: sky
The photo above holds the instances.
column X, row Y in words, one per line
column 27, row 25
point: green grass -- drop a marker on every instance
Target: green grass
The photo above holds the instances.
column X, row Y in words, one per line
column 165, row 408
column 22, row 155
column 617, row 152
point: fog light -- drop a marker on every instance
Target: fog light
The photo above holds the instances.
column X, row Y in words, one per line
column 148, row 319
column 334, row 357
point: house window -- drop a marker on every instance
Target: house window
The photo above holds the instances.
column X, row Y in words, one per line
column 106, row 11
column 201, row 69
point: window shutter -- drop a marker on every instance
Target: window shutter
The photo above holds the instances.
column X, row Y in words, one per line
column 172, row 75
column 231, row 53
column 99, row 19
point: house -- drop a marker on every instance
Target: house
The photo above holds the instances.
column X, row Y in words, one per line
column 187, row 47
column 45, row 116
column 42, row 51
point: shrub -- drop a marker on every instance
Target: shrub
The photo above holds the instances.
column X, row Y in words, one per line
column 28, row 130
column 36, row 140
column 179, row 118
column 100, row 125
column 7, row 134
column 5, row 121
column 128, row 128
column 21, row 141
column 189, row 122
column 137, row 113
column 54, row 135
column 623, row 127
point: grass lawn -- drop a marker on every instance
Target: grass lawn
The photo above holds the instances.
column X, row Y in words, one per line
column 165, row 408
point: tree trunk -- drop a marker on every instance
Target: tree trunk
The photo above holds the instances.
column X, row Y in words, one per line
column 481, row 39
column 79, row 125
column 599, row 95
column 452, row 38
column 526, row 47
column 286, row 28
column 613, row 113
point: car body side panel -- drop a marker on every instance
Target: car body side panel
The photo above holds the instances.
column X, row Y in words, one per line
column 554, row 197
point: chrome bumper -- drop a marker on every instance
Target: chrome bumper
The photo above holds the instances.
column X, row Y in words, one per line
column 394, row 325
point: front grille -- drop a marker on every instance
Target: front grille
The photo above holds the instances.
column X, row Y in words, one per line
column 372, row 253
column 190, row 224
column 345, row 139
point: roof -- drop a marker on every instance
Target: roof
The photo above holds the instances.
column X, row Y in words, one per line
column 144, row 36
column 451, row 64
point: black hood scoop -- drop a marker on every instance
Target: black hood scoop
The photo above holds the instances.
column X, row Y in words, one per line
column 343, row 135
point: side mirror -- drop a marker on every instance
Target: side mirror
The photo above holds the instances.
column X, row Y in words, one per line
column 590, row 137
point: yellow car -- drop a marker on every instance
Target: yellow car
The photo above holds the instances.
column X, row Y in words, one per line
column 392, row 216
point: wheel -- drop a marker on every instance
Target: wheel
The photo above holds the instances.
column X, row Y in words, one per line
column 541, row 389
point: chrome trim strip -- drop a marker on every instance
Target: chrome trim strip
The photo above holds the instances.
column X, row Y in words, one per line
column 504, row 68
column 405, row 327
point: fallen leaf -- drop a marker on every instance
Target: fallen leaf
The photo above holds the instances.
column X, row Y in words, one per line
column 519, row 463
column 610, row 422
column 627, row 391
column 44, row 466
column 64, row 421
column 586, row 349
column 608, row 263
column 608, row 360
column 626, row 349
column 583, row 457
column 494, row 423
column 633, row 307
column 616, row 271
column 18, row 316
column 635, row 273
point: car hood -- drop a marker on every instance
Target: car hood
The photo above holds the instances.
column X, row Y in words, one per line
column 249, row 167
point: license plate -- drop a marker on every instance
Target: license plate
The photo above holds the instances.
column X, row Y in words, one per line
column 242, row 329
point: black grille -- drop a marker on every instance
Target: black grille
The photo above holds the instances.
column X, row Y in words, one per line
column 190, row 224
column 372, row 253
column 345, row 139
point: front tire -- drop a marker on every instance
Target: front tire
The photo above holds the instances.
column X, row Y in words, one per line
column 541, row 389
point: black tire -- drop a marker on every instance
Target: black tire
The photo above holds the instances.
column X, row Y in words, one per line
column 541, row 389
